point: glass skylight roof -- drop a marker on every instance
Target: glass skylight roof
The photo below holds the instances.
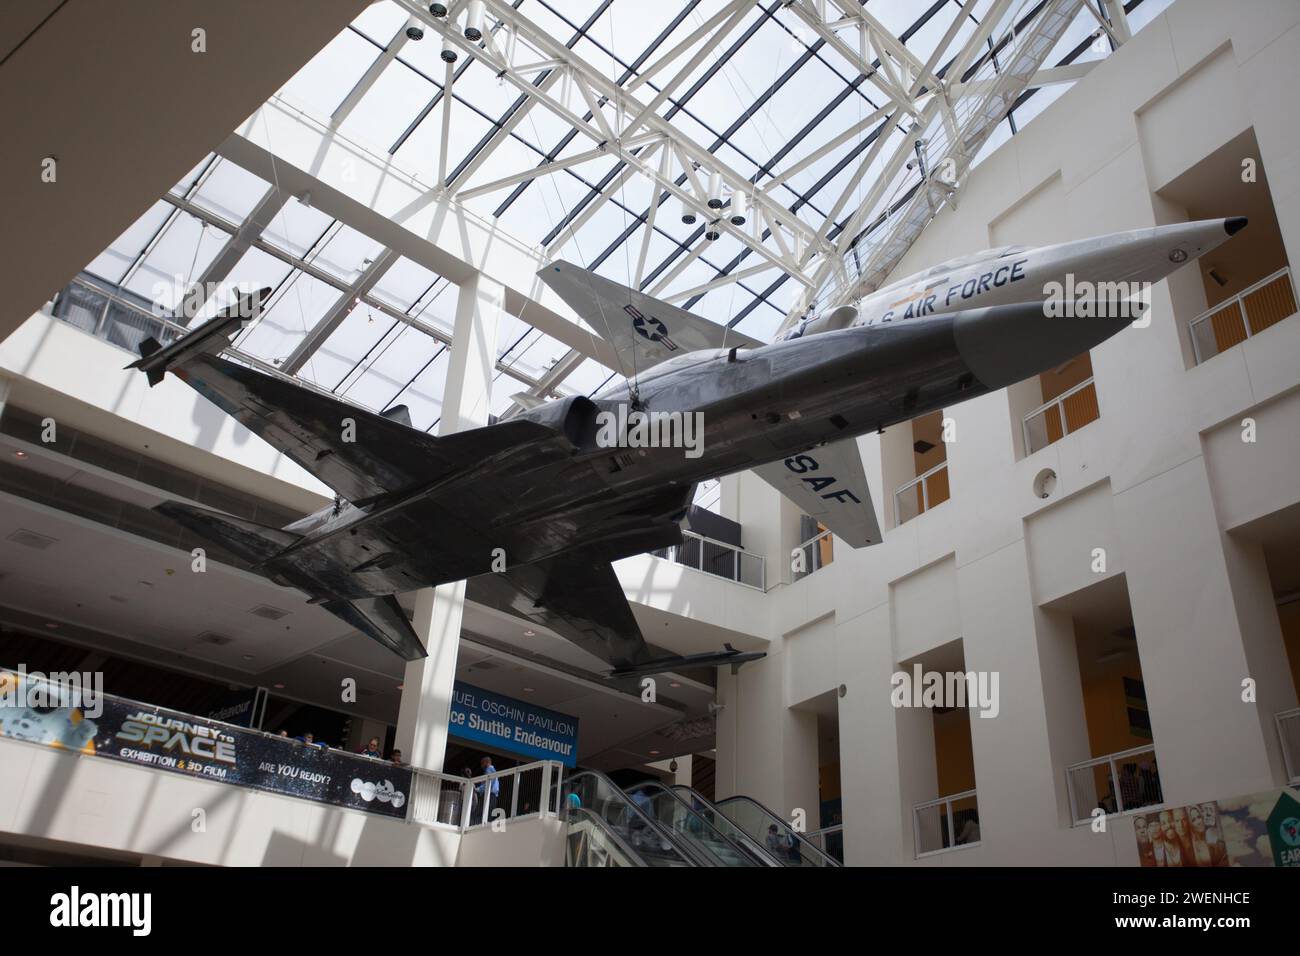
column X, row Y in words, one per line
column 778, row 100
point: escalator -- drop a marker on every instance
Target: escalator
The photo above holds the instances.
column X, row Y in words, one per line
column 695, row 833
column 590, row 842
column 603, row 820
column 780, row 841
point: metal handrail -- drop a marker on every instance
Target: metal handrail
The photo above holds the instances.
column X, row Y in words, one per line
column 736, row 551
column 771, row 817
column 946, row 801
column 1238, row 299
column 925, row 489
column 1110, row 759
column 1292, row 765
column 467, row 786
column 814, row 564
column 1059, row 400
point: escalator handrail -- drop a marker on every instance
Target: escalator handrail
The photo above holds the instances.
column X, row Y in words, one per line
column 653, row 825
column 772, row 817
column 598, row 823
column 694, row 795
column 745, row 850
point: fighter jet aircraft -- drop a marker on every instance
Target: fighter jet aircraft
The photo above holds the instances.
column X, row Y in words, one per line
column 533, row 509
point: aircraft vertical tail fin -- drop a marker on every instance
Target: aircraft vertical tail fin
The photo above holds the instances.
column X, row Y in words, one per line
column 643, row 330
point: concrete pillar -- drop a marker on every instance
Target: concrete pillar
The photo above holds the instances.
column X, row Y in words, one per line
column 766, row 750
column 877, row 828
column 1017, row 787
column 467, row 397
column 1192, row 639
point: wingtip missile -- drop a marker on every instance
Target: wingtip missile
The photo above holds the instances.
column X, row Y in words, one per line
column 157, row 359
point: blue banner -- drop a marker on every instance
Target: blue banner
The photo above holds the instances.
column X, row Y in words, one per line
column 503, row 723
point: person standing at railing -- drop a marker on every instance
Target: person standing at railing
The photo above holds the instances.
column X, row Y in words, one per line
column 372, row 749
column 491, row 788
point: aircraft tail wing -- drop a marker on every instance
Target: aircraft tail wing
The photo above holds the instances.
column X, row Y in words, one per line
column 643, row 330
column 579, row 597
column 576, row 595
column 381, row 619
column 246, row 539
column 829, row 484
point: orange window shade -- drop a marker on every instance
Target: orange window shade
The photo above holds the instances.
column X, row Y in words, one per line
column 1228, row 328
column 937, row 487
column 1052, row 423
column 1081, row 407
column 1270, row 304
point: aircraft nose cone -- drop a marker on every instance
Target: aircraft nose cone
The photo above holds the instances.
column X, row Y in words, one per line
column 1002, row 345
column 1234, row 224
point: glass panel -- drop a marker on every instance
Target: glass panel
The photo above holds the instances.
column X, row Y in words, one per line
column 330, row 75
column 347, row 254
column 772, row 833
column 1270, row 304
column 688, row 827
column 906, row 505
column 112, row 263
column 593, row 793
column 231, row 191
column 1081, row 407
column 296, row 228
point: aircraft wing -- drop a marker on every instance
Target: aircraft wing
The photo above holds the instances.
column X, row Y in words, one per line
column 828, row 484
column 643, row 330
column 578, row 596
column 360, row 454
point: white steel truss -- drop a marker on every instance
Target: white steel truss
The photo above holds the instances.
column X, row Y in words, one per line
column 925, row 111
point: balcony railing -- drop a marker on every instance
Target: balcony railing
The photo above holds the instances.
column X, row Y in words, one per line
column 1116, row 783
column 435, row 798
column 949, row 823
column 1288, row 730
column 1068, row 412
column 830, row 840
column 719, row 559
column 1249, row 312
column 468, row 802
column 818, row 551
column 922, row 493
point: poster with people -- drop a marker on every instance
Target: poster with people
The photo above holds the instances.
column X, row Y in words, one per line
column 1259, row 829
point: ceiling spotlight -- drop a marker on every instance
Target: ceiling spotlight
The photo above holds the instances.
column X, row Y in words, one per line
column 438, row 9
column 711, row 231
column 278, row 686
column 738, row 203
column 52, row 626
column 688, row 215
column 474, row 21
column 654, row 753
column 20, row 454
column 530, row 633
column 715, row 190
column 448, row 53
column 414, row 30
column 528, row 690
